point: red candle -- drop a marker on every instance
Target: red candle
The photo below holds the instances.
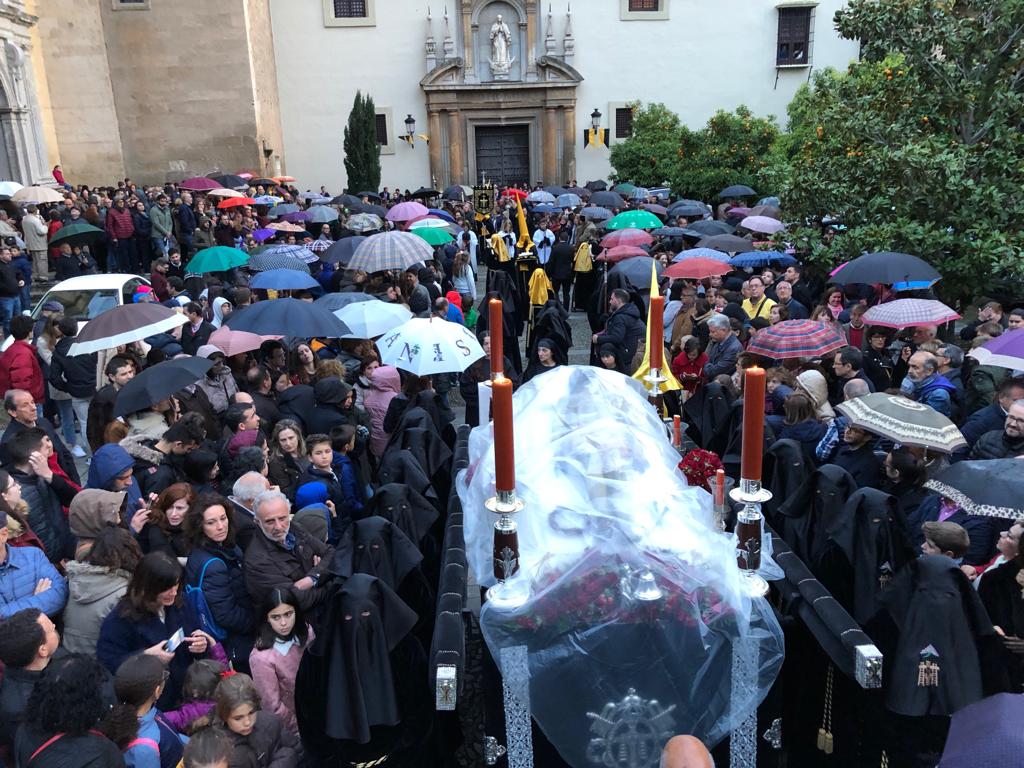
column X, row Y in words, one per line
column 657, row 335
column 504, row 445
column 677, row 431
column 753, row 423
column 719, row 497
column 496, row 326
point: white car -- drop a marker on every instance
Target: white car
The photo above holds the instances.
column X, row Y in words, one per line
column 87, row 296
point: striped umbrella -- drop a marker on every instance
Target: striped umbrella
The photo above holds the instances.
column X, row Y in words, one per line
column 702, row 253
column 568, row 200
column 390, row 250
column 903, row 420
column 903, row 313
column 629, row 236
column 318, row 246
column 264, row 262
column 123, row 325
column 796, row 338
column 407, row 211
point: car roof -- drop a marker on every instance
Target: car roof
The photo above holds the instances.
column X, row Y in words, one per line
column 96, row 282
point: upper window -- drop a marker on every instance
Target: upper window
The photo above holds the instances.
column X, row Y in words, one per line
column 382, row 129
column 131, row 5
column 643, row 10
column 349, row 13
column 623, row 122
column 644, row 5
column 384, row 126
column 794, row 48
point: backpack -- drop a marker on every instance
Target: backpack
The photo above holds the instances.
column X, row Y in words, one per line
column 199, row 610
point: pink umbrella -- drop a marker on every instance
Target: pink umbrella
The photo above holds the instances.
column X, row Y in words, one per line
column 627, row 236
column 407, row 211
column 903, row 313
column 235, row 342
column 763, row 224
column 621, row 253
column 199, row 184
column 796, row 338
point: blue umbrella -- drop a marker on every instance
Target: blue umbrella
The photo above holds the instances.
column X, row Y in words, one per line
column 540, row 196
column 762, row 259
column 301, row 319
column 342, row 250
column 335, row 301
column 283, row 208
column 545, row 208
column 569, row 200
column 668, row 232
column 702, row 253
column 441, row 214
column 283, row 280
column 596, row 213
column 321, row 214
column 267, row 200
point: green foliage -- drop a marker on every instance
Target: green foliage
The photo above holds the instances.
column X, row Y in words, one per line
column 362, row 152
column 917, row 147
column 650, row 156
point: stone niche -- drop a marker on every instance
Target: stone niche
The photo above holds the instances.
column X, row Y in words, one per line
column 482, row 19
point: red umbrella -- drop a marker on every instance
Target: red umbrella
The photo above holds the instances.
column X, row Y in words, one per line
column 232, row 202
column 513, row 192
column 795, row 338
column 627, row 236
column 199, row 184
column 621, row 253
column 697, row 269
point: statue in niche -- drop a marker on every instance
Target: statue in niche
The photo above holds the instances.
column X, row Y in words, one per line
column 501, row 44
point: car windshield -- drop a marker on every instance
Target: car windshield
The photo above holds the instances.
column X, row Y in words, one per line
column 84, row 305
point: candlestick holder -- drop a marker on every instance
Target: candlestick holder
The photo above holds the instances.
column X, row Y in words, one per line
column 655, row 379
column 749, row 521
column 507, row 594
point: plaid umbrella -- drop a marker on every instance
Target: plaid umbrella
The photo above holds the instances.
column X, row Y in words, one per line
column 903, row 313
column 264, row 262
column 390, row 250
column 123, row 325
column 702, row 253
column 364, row 222
column 992, row 488
column 764, row 224
column 621, row 253
column 318, row 246
column 727, row 243
column 217, row 258
column 407, row 211
column 341, row 251
column 634, row 220
column 628, row 236
column 796, row 338
column 903, row 420
column 696, row 269
column 1006, row 351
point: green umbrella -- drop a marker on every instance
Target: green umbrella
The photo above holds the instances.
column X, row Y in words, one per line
column 434, row 235
column 634, row 220
column 625, row 188
column 218, row 258
column 76, row 233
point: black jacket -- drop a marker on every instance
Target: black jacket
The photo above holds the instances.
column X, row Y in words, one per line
column 269, row 565
column 224, row 588
column 997, row 445
column 90, row 750
column 623, row 330
column 862, row 464
column 192, row 341
column 75, row 375
column 9, row 280
column 64, row 457
column 559, row 266
column 45, row 512
column 266, row 408
column 269, row 744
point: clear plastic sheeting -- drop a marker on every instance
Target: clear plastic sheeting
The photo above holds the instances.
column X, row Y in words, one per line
column 635, row 601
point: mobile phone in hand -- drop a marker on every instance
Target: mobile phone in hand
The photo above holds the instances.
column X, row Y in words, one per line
column 175, row 640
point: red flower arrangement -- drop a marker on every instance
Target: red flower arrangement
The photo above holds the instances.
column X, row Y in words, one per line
column 699, row 467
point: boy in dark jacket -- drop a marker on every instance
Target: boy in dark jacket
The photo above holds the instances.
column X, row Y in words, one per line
column 321, row 470
column 76, row 375
column 343, row 440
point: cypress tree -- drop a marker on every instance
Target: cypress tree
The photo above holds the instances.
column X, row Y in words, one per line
column 362, row 153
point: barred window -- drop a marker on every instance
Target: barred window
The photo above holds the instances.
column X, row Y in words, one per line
column 623, row 122
column 794, row 36
column 644, row 5
column 349, row 9
column 382, row 129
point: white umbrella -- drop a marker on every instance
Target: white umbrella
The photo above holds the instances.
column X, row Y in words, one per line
column 224, row 193
column 370, row 319
column 424, row 346
column 429, row 222
column 37, row 195
column 8, row 188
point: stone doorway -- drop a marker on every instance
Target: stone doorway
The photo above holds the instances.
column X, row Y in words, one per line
column 503, row 154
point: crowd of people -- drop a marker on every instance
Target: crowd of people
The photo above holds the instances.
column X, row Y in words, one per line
column 246, row 573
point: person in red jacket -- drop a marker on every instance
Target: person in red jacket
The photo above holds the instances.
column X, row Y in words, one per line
column 19, row 364
column 121, row 233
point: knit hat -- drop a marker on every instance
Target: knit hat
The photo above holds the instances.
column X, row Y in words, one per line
column 207, row 350
column 314, row 520
column 240, row 440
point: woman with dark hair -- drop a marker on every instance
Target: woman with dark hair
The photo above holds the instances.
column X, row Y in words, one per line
column 63, row 710
column 801, row 425
column 282, row 638
column 904, row 478
column 164, row 529
column 546, row 357
column 215, row 565
column 302, row 364
column 18, row 530
column 146, row 618
column 203, row 471
column 688, row 366
column 96, row 584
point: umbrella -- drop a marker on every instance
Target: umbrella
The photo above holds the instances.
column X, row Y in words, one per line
column 423, row 193
column 264, row 182
column 236, row 342
column 596, row 186
column 624, row 189
column 990, row 488
column 689, row 208
column 318, row 246
column 123, row 325
column 292, row 250
column 429, row 222
column 228, row 180
column 545, row 208
column 796, row 338
column 635, row 220
column 433, row 235
column 390, row 250
column 640, row 193
column 903, row 420
column 262, row 235
column 37, row 195
column 696, row 269
column 376, row 210
column 441, row 214
column 370, row 319
column 342, row 250
column 346, row 201
column 771, row 211
column 556, row 190
column 371, row 195
column 284, row 179
column 657, row 210
column 1006, row 351
column 668, row 232
column 986, row 732
column 902, row 313
column 737, row 190
column 456, row 193
column 294, row 216
column 425, row 346
column 762, row 259
column 583, row 192
column 335, row 301
column 726, row 243
column 8, row 188
column 235, row 202
column 621, row 253
column 199, row 184
column 540, row 196
column 708, row 227
column 286, row 226
column 569, row 200
column 763, row 224
column 283, row 208
column 264, row 262
column 596, row 213
column 159, row 382
column 364, row 222
column 301, row 319
column 217, row 258
column 702, row 253
column 519, row 194
column 901, row 270
column 76, row 233
column 607, row 200
column 738, row 212
column 315, row 198
column 637, row 271
column 224, row 193
column 283, row 280
column 626, row 237
column 407, row 211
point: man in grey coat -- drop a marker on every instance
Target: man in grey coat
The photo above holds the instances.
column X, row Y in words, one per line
column 724, row 349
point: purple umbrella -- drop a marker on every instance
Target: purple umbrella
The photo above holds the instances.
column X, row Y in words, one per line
column 1006, row 351
column 294, row 217
column 407, row 211
column 763, row 224
column 262, row 235
column 198, row 184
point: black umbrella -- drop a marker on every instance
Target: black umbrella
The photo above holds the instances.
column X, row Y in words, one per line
column 346, row 201
column 669, row 232
column 228, row 181
column 726, row 244
column 342, row 250
column 992, row 488
column 371, row 195
column 376, row 210
column 709, row 227
column 159, row 382
column 455, row 192
column 76, row 233
column 583, row 192
column 335, row 301
column 556, row 190
column 737, row 190
column 888, row 268
column 596, row 186
column 423, row 193
column 637, row 271
column 301, row 319
column 262, row 182
column 607, row 200
column 689, row 210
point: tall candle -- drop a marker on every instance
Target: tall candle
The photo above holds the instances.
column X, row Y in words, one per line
column 657, row 335
column 753, row 423
column 677, row 431
column 504, row 446
column 719, row 494
column 496, row 327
